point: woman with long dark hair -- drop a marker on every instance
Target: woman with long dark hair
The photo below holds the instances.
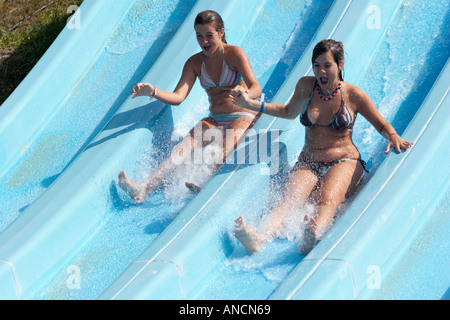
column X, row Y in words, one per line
column 329, row 167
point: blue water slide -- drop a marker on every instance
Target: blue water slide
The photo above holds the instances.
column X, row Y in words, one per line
column 81, row 222
column 197, row 257
column 74, row 90
column 58, row 109
column 67, row 60
column 70, row 233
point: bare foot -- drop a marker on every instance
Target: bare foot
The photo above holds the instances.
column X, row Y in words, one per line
column 309, row 236
column 309, row 241
column 193, row 187
column 136, row 190
column 251, row 240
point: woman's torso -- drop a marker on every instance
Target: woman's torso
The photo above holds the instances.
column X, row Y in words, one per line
column 325, row 141
column 218, row 88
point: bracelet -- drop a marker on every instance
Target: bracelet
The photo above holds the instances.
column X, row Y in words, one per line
column 262, row 107
column 253, row 94
column 392, row 134
column 155, row 92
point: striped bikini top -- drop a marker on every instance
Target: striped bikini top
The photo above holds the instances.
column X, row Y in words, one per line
column 228, row 78
column 342, row 120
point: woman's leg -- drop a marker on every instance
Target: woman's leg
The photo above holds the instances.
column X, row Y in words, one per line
column 339, row 183
column 301, row 182
column 232, row 136
column 138, row 191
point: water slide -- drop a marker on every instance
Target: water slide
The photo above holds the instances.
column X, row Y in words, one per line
column 67, row 232
column 122, row 134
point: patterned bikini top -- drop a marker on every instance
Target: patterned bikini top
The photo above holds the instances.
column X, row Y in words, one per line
column 342, row 120
column 228, row 78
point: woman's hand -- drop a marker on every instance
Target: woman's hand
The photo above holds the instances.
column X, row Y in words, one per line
column 240, row 97
column 398, row 143
column 143, row 89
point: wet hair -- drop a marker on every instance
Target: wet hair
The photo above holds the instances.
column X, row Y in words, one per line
column 212, row 18
column 336, row 48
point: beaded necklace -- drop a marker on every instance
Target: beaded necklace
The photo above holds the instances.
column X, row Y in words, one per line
column 328, row 96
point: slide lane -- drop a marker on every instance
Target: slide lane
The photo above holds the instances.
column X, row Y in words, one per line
column 82, row 112
column 402, row 250
column 74, row 90
column 22, row 114
column 399, row 43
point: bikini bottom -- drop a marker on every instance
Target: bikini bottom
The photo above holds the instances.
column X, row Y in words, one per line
column 320, row 169
column 225, row 120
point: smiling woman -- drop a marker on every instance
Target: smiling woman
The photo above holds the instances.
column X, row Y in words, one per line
column 212, row 19
column 220, row 67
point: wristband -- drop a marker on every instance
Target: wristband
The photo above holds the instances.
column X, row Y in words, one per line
column 392, row 134
column 155, row 92
column 262, row 107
